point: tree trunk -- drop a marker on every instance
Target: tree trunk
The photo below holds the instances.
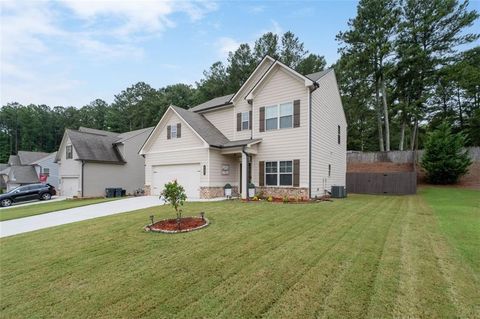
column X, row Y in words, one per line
column 402, row 136
column 460, row 111
column 379, row 118
column 385, row 112
column 414, row 135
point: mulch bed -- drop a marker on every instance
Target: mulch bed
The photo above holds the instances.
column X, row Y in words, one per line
column 170, row 225
column 279, row 200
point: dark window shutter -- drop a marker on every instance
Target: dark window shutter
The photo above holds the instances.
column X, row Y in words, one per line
column 179, row 130
column 261, row 173
column 239, row 122
column 296, row 113
column 262, row 119
column 250, row 119
column 296, row 173
column 169, row 134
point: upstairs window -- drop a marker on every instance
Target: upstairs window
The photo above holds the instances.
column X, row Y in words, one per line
column 69, row 152
column 245, row 120
column 339, row 138
column 173, row 131
column 271, row 117
column 286, row 115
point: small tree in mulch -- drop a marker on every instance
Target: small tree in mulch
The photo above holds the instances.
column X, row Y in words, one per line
column 174, row 194
column 445, row 159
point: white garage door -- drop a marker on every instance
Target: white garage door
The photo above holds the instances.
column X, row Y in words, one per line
column 70, row 186
column 187, row 175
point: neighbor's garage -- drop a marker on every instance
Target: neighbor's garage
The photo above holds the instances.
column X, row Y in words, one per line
column 70, row 186
column 187, row 175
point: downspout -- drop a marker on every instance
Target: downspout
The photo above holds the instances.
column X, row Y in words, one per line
column 315, row 86
column 245, row 171
column 309, row 144
column 83, row 164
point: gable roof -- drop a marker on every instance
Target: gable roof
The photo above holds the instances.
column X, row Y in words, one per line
column 95, row 131
column 95, row 147
column 207, row 131
column 27, row 158
column 213, row 103
column 14, row 160
column 21, row 174
column 128, row 135
column 317, row 75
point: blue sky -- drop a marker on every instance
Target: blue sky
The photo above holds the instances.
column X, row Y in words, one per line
column 71, row 52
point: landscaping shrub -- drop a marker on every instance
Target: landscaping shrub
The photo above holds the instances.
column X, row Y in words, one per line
column 445, row 159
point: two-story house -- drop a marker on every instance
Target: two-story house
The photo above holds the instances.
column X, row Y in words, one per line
column 91, row 160
column 282, row 131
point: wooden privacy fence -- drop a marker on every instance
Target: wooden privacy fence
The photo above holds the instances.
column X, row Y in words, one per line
column 401, row 183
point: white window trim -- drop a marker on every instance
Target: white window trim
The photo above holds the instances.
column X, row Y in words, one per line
column 172, row 136
column 66, row 151
column 278, row 116
column 247, row 121
column 278, row 173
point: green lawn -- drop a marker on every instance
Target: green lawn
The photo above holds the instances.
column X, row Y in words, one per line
column 47, row 207
column 365, row 256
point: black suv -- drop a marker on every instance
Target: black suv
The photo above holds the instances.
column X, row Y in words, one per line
column 27, row 193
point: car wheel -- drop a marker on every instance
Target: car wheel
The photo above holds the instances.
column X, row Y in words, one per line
column 46, row 196
column 6, row 202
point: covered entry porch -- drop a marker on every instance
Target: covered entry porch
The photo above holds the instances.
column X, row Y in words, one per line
column 244, row 152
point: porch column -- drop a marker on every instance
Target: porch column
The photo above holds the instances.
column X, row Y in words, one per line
column 244, row 189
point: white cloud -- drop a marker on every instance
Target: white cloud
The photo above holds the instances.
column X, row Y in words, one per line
column 226, row 45
column 36, row 34
column 139, row 16
column 257, row 9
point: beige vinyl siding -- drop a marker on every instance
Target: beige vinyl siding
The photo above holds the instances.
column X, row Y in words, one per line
column 185, row 156
column 188, row 149
column 188, row 138
column 327, row 114
column 69, row 168
column 282, row 144
column 241, row 105
column 223, row 120
column 216, row 161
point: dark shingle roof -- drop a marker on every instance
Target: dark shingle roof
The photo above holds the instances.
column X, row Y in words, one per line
column 14, row 160
column 95, row 131
column 128, row 135
column 317, row 75
column 95, row 147
column 208, row 131
column 21, row 174
column 202, row 126
column 27, row 158
column 240, row 142
column 216, row 102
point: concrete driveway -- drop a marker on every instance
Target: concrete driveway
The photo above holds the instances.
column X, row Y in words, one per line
column 28, row 224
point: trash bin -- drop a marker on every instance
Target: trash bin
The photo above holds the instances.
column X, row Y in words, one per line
column 118, row 192
column 110, row 192
column 124, row 192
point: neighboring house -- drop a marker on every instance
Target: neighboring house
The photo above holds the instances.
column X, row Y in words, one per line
column 283, row 131
column 28, row 168
column 3, row 185
column 91, row 160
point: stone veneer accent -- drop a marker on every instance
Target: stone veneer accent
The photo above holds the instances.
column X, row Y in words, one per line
column 283, row 191
column 147, row 190
column 213, row 192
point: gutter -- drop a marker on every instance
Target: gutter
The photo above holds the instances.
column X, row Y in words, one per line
column 83, row 164
column 316, row 85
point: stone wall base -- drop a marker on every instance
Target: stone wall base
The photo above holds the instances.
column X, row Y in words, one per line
column 215, row 192
column 283, row 191
column 147, row 189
